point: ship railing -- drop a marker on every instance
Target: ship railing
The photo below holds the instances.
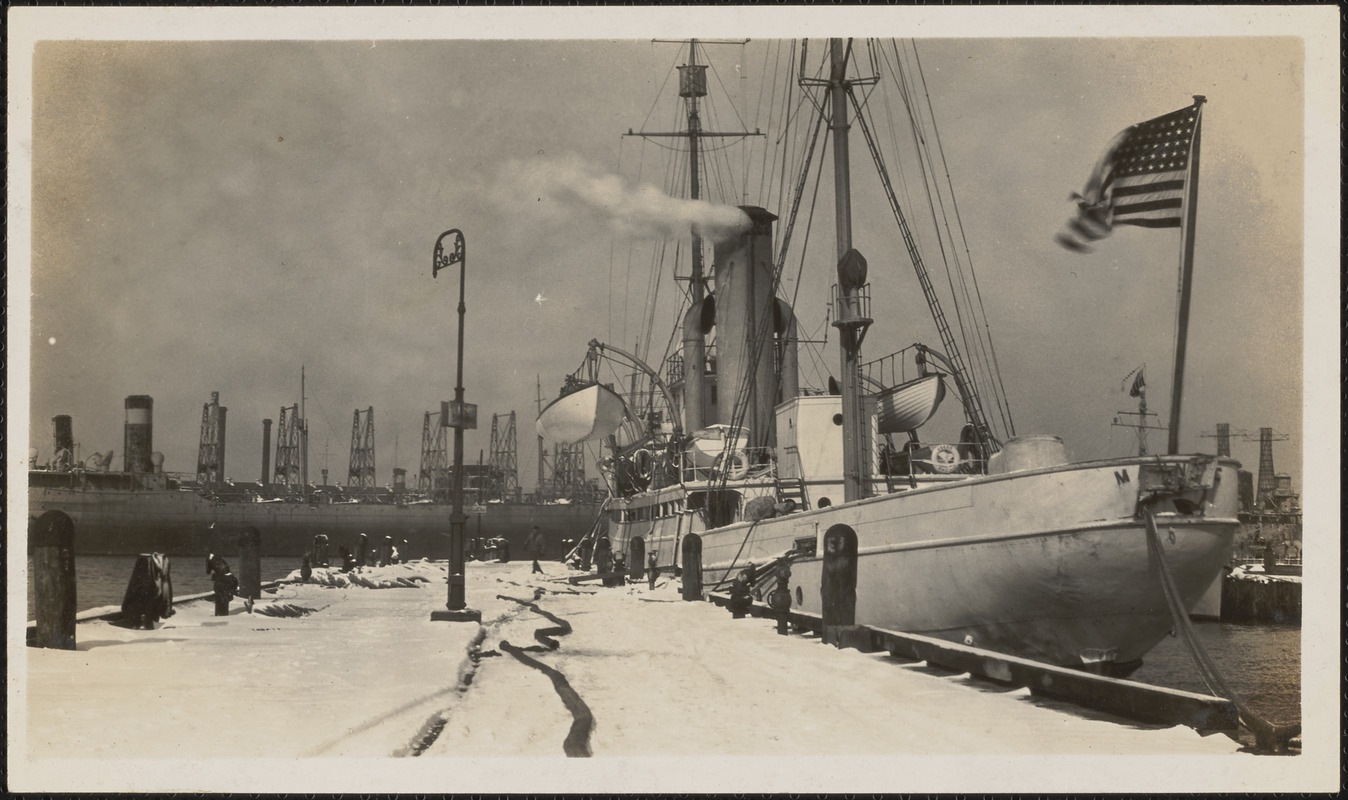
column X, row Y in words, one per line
column 931, row 461
column 741, row 464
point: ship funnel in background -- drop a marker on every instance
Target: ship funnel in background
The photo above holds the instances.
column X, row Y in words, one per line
column 266, row 451
column 139, row 436
column 63, row 442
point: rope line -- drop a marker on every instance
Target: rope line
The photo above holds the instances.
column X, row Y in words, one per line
column 1267, row 735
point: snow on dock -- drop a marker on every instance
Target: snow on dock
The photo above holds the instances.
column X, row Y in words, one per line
column 325, row 672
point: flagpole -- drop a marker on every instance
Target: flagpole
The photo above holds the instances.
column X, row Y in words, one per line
column 1186, row 279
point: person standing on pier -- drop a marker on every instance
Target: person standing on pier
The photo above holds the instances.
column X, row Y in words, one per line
column 223, row 582
column 534, row 544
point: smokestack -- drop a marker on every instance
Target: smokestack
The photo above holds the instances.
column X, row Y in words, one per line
column 63, row 440
column 1264, row 489
column 744, row 311
column 266, row 451
column 139, row 434
column 694, row 369
column 220, row 431
column 1224, row 439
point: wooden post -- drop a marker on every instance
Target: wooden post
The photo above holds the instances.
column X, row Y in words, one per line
column 362, row 549
column 692, row 567
column 838, row 583
column 250, row 565
column 51, row 539
column 636, row 562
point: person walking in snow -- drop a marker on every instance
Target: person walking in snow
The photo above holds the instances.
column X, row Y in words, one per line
column 534, row 544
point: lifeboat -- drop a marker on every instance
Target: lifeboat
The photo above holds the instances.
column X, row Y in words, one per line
column 708, row 445
column 592, row 412
column 908, row 406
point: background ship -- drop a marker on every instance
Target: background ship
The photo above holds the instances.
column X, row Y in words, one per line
column 142, row 508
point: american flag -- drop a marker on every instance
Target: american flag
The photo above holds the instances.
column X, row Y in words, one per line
column 1140, row 180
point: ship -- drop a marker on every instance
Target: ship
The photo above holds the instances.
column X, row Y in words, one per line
column 838, row 502
column 143, row 509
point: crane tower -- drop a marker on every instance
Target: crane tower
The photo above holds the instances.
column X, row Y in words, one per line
column 288, row 437
column 433, row 480
column 211, row 451
column 361, row 472
column 505, row 476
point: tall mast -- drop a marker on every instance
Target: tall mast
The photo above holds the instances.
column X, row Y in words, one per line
column 851, row 319
column 697, row 285
column 838, row 125
column 693, row 87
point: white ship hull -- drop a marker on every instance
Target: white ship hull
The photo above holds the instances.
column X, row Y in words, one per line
column 1050, row 564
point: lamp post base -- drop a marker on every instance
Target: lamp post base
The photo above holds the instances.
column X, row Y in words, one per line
column 460, row 615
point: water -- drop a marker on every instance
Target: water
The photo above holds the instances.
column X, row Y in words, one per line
column 101, row 580
column 1261, row 664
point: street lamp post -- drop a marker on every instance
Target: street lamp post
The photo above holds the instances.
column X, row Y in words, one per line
column 458, row 415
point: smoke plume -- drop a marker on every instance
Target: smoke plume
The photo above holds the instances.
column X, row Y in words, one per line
column 566, row 189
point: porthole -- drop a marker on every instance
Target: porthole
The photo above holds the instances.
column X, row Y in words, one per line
column 837, row 419
column 800, row 596
column 824, row 502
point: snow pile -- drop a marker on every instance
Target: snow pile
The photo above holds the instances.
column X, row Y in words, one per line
column 392, row 576
column 1255, row 573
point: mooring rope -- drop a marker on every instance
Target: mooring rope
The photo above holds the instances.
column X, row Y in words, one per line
column 577, row 742
column 736, row 559
column 1267, row 734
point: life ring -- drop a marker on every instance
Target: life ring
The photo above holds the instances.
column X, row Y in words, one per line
column 735, row 465
column 945, row 458
column 643, row 462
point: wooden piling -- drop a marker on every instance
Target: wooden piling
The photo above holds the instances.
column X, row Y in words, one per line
column 636, row 561
column 250, row 564
column 51, row 542
column 838, row 583
column 692, row 567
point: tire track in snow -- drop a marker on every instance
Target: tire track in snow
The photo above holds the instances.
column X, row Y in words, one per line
column 577, row 742
column 465, row 677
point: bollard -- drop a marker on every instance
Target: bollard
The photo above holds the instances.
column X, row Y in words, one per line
column 618, row 576
column 603, row 559
column 740, row 599
column 51, row 539
column 250, row 567
column 362, row 549
column 306, row 571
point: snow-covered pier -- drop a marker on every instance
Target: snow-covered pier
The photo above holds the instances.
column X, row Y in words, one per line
column 340, row 669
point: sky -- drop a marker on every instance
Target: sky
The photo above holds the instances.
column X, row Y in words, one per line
column 212, row 215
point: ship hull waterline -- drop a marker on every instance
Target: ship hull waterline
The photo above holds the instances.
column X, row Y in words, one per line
column 1067, row 580
column 184, row 523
